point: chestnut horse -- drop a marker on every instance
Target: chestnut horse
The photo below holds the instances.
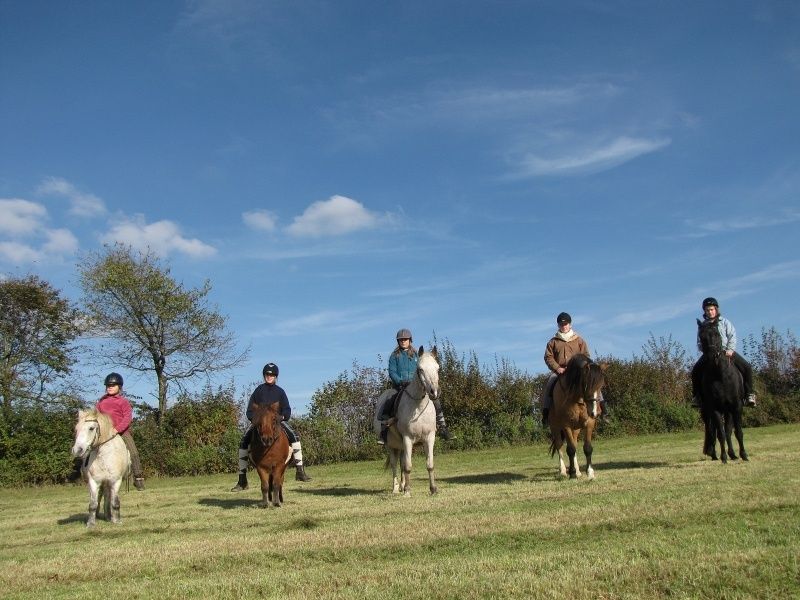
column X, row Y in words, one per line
column 576, row 399
column 721, row 396
column 106, row 462
column 415, row 423
column 269, row 453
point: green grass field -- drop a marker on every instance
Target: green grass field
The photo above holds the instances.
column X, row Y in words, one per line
column 659, row 521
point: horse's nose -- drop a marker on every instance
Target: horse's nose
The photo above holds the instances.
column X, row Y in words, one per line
column 77, row 450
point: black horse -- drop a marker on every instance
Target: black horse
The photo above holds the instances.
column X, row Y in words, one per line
column 721, row 396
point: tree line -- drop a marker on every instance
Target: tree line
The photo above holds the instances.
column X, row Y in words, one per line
column 140, row 319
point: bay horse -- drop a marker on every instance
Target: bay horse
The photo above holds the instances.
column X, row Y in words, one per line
column 106, row 462
column 576, row 399
column 722, row 391
column 415, row 422
column 269, row 453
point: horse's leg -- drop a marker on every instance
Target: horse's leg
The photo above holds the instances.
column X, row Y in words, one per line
column 571, row 452
column 264, row 475
column 394, row 458
column 737, row 428
column 429, row 451
column 406, row 464
column 115, row 503
column 587, row 447
column 728, row 432
column 94, row 491
column 279, row 473
column 719, row 427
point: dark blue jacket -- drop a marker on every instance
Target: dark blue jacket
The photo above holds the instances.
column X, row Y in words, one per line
column 264, row 395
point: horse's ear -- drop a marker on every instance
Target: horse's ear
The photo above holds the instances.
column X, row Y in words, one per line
column 603, row 366
column 421, row 351
column 435, row 353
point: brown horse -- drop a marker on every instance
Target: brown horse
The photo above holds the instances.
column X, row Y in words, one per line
column 269, row 453
column 576, row 398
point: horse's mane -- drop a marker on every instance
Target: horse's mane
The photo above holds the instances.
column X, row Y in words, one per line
column 107, row 430
column 578, row 377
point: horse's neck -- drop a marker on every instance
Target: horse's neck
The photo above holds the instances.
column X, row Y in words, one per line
column 107, row 430
column 416, row 392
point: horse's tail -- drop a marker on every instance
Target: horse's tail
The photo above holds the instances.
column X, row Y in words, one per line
column 553, row 446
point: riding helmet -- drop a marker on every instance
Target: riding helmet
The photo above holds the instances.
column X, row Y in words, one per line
column 270, row 369
column 403, row 334
column 710, row 302
column 563, row 318
column 113, row 379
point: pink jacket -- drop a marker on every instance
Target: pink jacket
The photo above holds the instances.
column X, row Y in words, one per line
column 119, row 409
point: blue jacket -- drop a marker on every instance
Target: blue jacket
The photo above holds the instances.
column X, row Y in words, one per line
column 726, row 331
column 267, row 394
column 402, row 366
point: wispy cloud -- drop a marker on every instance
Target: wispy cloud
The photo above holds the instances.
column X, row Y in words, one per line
column 592, row 159
column 329, row 321
column 260, row 220
column 742, row 222
column 338, row 215
column 21, row 217
column 81, row 204
column 163, row 237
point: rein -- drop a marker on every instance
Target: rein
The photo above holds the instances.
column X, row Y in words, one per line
column 94, row 445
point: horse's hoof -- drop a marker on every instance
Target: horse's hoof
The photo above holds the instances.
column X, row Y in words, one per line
column 573, row 476
column 745, row 457
column 433, row 490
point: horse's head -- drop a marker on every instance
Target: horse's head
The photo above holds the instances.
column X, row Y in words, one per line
column 584, row 380
column 267, row 423
column 428, row 371
column 709, row 337
column 87, row 432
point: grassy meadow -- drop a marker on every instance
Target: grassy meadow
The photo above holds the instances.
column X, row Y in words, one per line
column 659, row 521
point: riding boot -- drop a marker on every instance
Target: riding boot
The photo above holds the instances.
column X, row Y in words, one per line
column 604, row 415
column 297, row 453
column 440, row 423
column 75, row 474
column 241, row 484
column 384, row 434
column 244, row 462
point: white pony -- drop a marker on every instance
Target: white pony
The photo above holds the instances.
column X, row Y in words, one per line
column 106, row 461
column 415, row 422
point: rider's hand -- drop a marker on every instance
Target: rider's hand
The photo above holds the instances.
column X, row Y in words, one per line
column 560, row 370
column 728, row 353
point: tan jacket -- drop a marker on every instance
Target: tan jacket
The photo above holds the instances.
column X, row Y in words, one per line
column 558, row 352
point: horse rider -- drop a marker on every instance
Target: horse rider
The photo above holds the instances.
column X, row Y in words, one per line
column 564, row 344
column 265, row 394
column 119, row 409
column 402, row 367
column 727, row 332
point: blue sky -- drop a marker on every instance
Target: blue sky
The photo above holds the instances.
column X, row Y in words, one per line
column 340, row 170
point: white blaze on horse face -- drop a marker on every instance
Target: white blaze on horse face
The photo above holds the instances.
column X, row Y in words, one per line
column 593, row 413
column 86, row 433
column 428, row 372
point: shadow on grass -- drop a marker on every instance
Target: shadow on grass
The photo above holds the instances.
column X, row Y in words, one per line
column 485, row 478
column 631, row 464
column 230, row 503
column 79, row 518
column 338, row 491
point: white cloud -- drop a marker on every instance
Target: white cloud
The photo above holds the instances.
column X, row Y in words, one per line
column 260, row 220
column 162, row 237
column 60, row 241
column 747, row 222
column 590, row 160
column 16, row 253
column 21, row 217
column 337, row 216
column 81, row 204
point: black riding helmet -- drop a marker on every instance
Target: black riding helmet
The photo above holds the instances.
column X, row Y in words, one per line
column 113, row 379
column 710, row 302
column 563, row 318
column 270, row 369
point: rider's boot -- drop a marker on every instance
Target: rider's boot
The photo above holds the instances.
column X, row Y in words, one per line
column 75, row 474
column 605, row 417
column 444, row 433
column 244, row 462
column 297, row 454
column 384, row 434
column 750, row 400
column 241, row 484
